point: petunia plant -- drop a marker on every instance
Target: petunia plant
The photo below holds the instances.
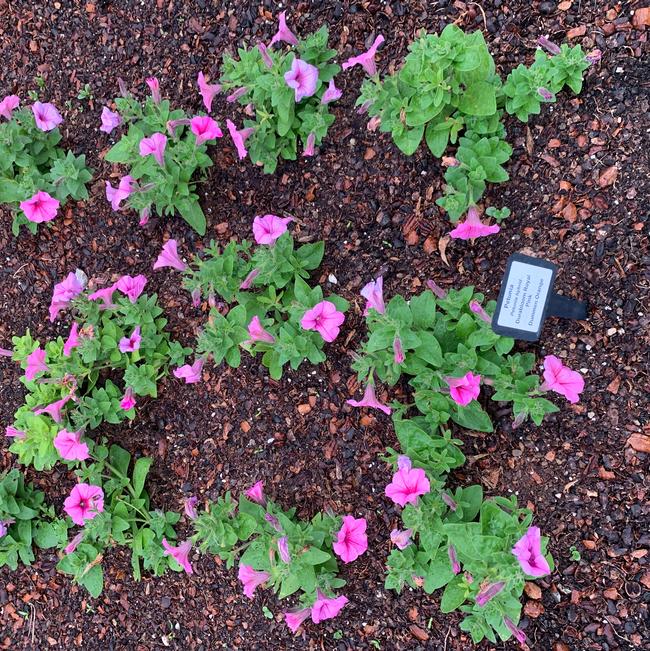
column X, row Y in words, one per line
column 274, row 549
column 109, row 506
column 266, row 306
column 25, row 519
column 286, row 94
column 37, row 176
column 116, row 351
column 163, row 149
column 448, row 93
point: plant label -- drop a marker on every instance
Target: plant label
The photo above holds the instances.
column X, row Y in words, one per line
column 526, row 299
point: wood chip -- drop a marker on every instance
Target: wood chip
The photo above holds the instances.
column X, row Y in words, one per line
column 641, row 17
column 608, row 176
column 576, row 32
column 419, row 633
column 639, row 442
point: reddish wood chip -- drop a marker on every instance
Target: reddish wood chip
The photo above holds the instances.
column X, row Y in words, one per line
column 639, row 442
column 608, row 176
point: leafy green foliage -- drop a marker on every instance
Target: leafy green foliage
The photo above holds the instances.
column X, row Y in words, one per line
column 167, row 189
column 25, row 519
column 280, row 121
column 279, row 296
column 127, row 519
column 448, row 86
column 241, row 531
column 443, row 338
column 83, row 375
column 31, row 160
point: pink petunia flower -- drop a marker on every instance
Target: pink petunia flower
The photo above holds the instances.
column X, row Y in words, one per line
column 473, row 227
column 72, row 341
column 248, row 281
column 295, row 618
column 208, row 91
column 8, row 105
column 54, row 409
column 518, row 634
column 11, row 432
column 4, row 352
column 309, row 145
column 528, row 551
column 453, row 559
column 256, row 332
column 236, row 94
column 401, row 539
column 169, row 257
column 367, row 59
column 35, row 363
column 545, row 94
column 131, row 286
column 70, row 446
column 256, row 493
column 283, row 549
column 283, row 33
column 145, row 213
column 489, row 592
column 110, row 120
column 105, row 295
column 325, row 319
column 464, row 389
column 407, row 486
column 303, row 78
column 561, row 379
column 64, row 292
column 204, row 128
column 154, row 146
column 449, row 501
column 172, row 125
column 266, row 57
column 268, row 228
column 351, row 540
column 128, row 399
column 373, row 293
column 40, row 208
column 46, row 116
column 132, row 343
column 85, row 502
column 4, row 526
column 189, row 506
column 373, row 123
column 124, row 189
column 594, row 57
column 398, row 351
column 548, row 45
column 154, row 87
column 73, row 544
column 326, row 607
column 251, row 578
column 370, row 400
column 180, row 554
column 191, row 374
column 436, row 289
column 239, row 138
column 331, row 94
column 478, row 309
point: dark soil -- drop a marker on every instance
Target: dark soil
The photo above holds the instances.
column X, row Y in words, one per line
column 583, row 472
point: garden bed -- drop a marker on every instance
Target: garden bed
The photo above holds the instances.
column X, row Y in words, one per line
column 583, row 472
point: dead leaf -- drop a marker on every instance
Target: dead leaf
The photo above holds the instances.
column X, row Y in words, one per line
column 605, row 474
column 613, row 386
column 369, row 154
column 533, row 590
column 641, row 17
column 442, row 247
column 570, row 212
column 639, row 442
column 576, row 32
column 419, row 633
column 566, row 5
column 608, row 176
column 534, row 609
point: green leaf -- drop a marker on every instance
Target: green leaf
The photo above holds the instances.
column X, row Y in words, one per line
column 454, row 595
column 472, row 417
column 479, row 99
column 93, row 580
column 408, row 140
column 192, row 213
column 436, row 138
column 140, row 471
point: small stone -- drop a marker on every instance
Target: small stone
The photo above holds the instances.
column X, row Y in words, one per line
column 546, row 8
column 165, row 602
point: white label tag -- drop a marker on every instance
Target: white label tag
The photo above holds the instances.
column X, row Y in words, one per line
column 525, row 296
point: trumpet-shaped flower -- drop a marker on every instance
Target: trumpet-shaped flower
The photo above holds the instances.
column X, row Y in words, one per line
column 64, row 292
column 407, row 486
column 180, row 554
column 105, row 295
column 154, row 146
column 169, row 257
column 8, row 105
column 367, row 59
column 70, row 446
column 267, row 228
column 251, row 578
column 110, row 120
column 236, row 94
column 464, row 389
column 436, row 289
column 370, row 400
column 84, row 503
column 295, row 618
column 326, row 607
column 351, row 540
column 128, row 399
column 239, row 138
column 273, row 521
column 256, row 493
column 373, row 292
column 331, row 94
column 54, row 409
column 40, row 208
column 46, row 116
column 473, row 227
column 248, row 281
column 283, row 33
column 548, row 45
column 154, row 87
column 303, row 78
column 124, row 189
column 489, row 592
column 256, row 332
column 189, row 506
column 11, row 432
column 73, row 544
column 309, row 145
column 478, row 309
column 131, row 286
column 528, row 551
column 398, row 351
column 72, row 341
column 208, row 91
column 325, row 319
column 131, row 343
column 518, row 634
column 35, row 363
column 561, row 379
column 401, row 539
column 545, row 94
column 283, row 549
column 204, row 128
column 266, row 57
column 453, row 559
column 191, row 374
